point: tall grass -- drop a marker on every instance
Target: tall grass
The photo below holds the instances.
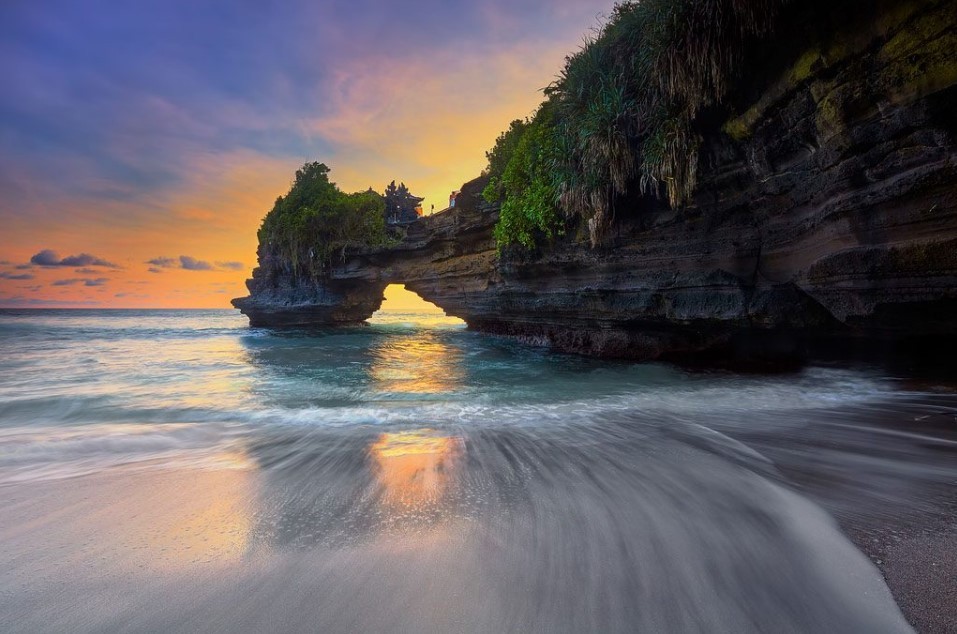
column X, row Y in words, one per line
column 627, row 104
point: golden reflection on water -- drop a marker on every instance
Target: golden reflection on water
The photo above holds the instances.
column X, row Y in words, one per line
column 419, row 363
column 414, row 468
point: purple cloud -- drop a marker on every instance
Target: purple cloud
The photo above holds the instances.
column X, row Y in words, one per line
column 166, row 263
column 186, row 262
column 231, row 266
column 16, row 276
column 48, row 257
column 192, row 264
column 99, row 281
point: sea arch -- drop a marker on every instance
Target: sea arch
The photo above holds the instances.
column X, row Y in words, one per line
column 449, row 259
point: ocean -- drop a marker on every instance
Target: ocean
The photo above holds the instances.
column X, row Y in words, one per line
column 181, row 471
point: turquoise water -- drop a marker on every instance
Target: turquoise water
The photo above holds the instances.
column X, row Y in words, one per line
column 413, row 475
column 119, row 386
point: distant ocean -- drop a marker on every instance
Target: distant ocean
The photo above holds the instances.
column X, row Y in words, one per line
column 411, row 474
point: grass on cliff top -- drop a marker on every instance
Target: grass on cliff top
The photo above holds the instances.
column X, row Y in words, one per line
column 622, row 116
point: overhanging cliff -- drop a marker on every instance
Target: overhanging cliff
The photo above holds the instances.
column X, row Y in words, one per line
column 826, row 208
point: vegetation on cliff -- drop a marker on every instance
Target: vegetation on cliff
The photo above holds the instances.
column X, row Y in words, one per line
column 623, row 115
column 315, row 221
column 523, row 179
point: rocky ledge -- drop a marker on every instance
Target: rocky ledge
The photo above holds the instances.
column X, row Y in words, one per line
column 826, row 211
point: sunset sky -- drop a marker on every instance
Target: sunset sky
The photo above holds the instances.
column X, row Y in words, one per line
column 142, row 142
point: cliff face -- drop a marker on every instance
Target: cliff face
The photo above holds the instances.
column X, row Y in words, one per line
column 827, row 207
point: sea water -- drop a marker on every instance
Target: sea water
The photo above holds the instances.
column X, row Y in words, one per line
column 179, row 470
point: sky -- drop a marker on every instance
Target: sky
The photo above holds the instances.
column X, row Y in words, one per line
column 141, row 143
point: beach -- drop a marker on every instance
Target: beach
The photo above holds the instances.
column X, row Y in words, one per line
column 408, row 479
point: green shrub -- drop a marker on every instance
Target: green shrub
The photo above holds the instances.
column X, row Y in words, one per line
column 523, row 168
column 315, row 223
column 498, row 158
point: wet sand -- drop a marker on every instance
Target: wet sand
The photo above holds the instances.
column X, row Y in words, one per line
column 287, row 537
column 156, row 550
column 892, row 485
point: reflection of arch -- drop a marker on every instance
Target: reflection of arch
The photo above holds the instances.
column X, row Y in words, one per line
column 404, row 353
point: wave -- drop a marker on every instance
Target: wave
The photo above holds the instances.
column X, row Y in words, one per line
column 68, row 436
column 43, row 453
column 325, row 403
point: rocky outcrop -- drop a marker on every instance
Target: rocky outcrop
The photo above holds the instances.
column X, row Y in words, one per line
column 826, row 209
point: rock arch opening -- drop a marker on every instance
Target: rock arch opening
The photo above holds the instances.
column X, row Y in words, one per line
column 399, row 300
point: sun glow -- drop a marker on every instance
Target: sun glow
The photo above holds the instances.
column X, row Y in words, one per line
column 399, row 299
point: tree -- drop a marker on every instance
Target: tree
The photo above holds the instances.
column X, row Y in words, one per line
column 315, row 223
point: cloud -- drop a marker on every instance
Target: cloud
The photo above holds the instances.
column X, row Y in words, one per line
column 16, row 276
column 231, row 266
column 48, row 257
column 192, row 264
column 166, row 263
column 99, row 281
column 188, row 263
column 153, row 269
column 86, row 271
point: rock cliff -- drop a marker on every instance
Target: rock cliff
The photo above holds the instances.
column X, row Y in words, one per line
column 826, row 210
